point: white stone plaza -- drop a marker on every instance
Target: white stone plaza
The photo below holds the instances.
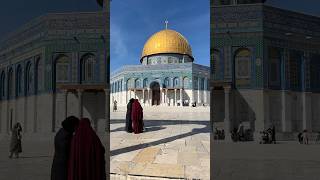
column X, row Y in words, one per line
column 176, row 144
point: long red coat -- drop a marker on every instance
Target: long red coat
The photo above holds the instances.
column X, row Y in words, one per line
column 137, row 117
column 86, row 160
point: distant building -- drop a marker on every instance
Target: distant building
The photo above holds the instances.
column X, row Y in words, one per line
column 54, row 67
column 266, row 68
column 167, row 75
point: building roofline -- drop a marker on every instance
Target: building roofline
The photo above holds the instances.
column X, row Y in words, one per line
column 38, row 20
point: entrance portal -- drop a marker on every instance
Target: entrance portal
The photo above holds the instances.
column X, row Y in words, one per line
column 155, row 87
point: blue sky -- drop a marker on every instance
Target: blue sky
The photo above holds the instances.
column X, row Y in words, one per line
column 133, row 22
column 15, row 13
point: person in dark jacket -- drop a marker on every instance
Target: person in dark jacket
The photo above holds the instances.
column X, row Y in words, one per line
column 15, row 144
column 128, row 116
column 62, row 142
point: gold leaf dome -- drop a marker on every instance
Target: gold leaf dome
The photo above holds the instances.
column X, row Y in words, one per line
column 166, row 41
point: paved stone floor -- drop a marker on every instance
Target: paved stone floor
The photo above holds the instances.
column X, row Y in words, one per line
column 177, row 147
column 34, row 163
column 252, row 161
column 176, row 144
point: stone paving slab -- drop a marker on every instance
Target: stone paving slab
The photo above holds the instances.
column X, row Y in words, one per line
column 169, row 146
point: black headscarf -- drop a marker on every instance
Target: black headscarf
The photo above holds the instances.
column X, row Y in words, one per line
column 70, row 123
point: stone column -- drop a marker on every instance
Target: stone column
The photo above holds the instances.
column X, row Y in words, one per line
column 135, row 93
column 107, row 111
column 205, row 91
column 162, row 97
column 175, row 97
column 53, row 111
column 181, row 98
column 65, row 93
column 127, row 99
column 149, row 102
column 285, row 112
column 306, row 111
column 191, row 97
column 167, row 100
column 80, row 93
column 227, row 123
column 143, row 99
column 199, row 101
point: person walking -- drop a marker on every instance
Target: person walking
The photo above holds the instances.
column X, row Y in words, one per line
column 128, row 116
column 15, row 144
column 137, row 117
column 62, row 142
column 115, row 107
column 87, row 161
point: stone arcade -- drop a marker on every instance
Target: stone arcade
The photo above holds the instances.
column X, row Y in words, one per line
column 54, row 67
column 266, row 68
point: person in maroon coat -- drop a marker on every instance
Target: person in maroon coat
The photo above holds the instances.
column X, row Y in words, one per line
column 86, row 160
column 137, row 117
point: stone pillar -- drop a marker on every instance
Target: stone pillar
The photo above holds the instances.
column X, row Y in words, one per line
column 167, row 100
column 107, row 111
column 205, row 91
column 175, row 97
column 285, row 112
column 162, row 97
column 65, row 93
column 181, row 98
column 127, row 99
column 227, row 123
column 191, row 97
column 53, row 125
column 306, row 111
column 135, row 93
column 80, row 93
column 143, row 99
column 199, row 101
column 149, row 97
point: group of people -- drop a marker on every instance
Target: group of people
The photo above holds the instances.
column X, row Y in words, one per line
column 268, row 136
column 134, row 117
column 79, row 153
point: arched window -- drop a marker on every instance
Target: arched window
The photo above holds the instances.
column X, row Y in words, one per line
column 185, row 82
column 130, row 83
column 145, row 83
column 10, row 83
column 19, row 81
column 243, row 67
column 166, row 82
column 29, row 78
column 274, row 67
column 2, row 84
column 294, row 68
column 40, row 75
column 202, row 84
column 87, row 69
column 195, row 82
column 175, row 82
column 63, row 68
column 137, row 83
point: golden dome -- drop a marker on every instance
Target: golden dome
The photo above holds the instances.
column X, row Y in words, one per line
column 166, row 41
